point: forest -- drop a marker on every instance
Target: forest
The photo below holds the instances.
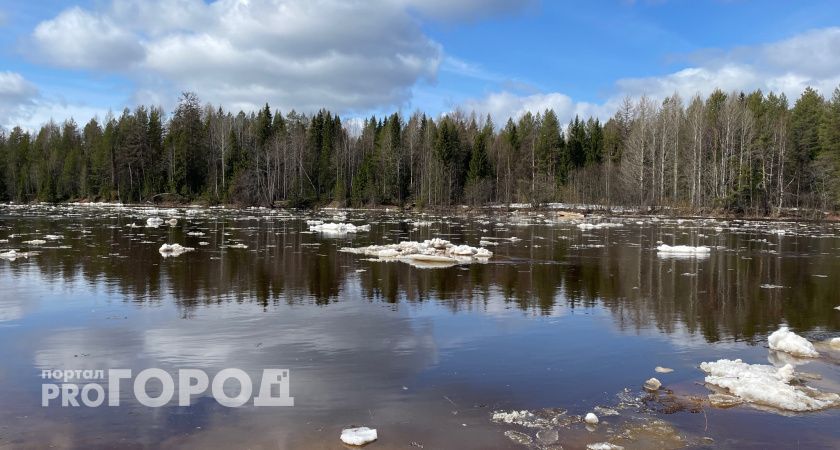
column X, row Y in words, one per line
column 745, row 153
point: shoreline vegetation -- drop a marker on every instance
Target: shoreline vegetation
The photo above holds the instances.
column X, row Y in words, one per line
column 729, row 155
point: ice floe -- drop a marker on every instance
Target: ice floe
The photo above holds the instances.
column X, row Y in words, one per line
column 35, row 242
column 167, row 250
column 598, row 226
column 430, row 253
column 603, row 446
column 12, row 255
column 766, row 386
column 358, row 436
column 652, row 385
column 660, row 369
column 835, row 342
column 154, row 222
column 591, row 419
column 336, row 228
column 784, row 340
column 683, row 250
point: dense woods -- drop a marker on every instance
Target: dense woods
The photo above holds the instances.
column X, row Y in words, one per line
column 744, row 152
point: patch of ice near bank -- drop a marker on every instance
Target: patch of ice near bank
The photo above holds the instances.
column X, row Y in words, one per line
column 683, row 250
column 337, row 228
column 767, row 386
column 435, row 251
column 358, row 436
column 167, row 250
column 784, row 340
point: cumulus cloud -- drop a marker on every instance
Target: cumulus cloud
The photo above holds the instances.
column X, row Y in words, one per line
column 16, row 96
column 304, row 54
column 788, row 66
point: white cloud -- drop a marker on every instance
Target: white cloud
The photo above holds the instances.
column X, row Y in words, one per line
column 16, row 96
column 78, row 39
column 304, row 54
column 788, row 66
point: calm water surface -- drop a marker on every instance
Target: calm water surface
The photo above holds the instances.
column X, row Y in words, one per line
column 561, row 318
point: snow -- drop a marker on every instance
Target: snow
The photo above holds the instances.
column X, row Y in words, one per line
column 358, row 436
column 337, row 228
column 683, row 250
column 438, row 252
column 784, row 340
column 167, row 250
column 766, row 386
column 591, row 419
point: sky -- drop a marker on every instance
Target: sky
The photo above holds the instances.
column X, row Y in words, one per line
column 84, row 58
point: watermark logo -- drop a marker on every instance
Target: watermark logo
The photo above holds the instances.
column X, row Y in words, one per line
column 93, row 388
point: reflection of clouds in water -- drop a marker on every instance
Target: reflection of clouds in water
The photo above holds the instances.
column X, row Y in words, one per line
column 9, row 312
column 86, row 348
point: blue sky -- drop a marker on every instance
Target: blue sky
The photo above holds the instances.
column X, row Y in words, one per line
column 62, row 58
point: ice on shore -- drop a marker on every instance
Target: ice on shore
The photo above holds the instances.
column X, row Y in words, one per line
column 337, row 228
column 358, row 436
column 652, row 385
column 436, row 251
column 167, row 250
column 784, row 340
column 686, row 250
column 766, row 386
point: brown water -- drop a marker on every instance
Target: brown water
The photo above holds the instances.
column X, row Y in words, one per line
column 563, row 318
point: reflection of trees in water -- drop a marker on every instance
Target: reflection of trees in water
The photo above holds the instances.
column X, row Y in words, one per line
column 720, row 299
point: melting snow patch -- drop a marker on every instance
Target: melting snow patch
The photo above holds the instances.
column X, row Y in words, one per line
column 784, row 340
column 358, row 436
column 167, row 250
column 766, row 386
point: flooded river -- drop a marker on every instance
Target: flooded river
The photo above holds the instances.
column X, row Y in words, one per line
column 561, row 321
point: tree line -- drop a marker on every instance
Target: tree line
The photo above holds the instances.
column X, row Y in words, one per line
column 743, row 152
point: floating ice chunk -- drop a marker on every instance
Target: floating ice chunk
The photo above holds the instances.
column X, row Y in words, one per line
column 660, row 369
column 724, row 400
column 591, row 419
column 172, row 222
column 603, row 446
column 519, row 437
column 598, row 226
column 202, row 243
column 652, row 385
column 439, row 252
column 784, row 340
column 835, row 342
column 154, row 222
column 771, row 286
column 337, row 228
column 12, row 255
column 766, row 386
column 53, row 237
column 195, row 233
column 358, row 436
column 167, row 250
column 35, row 242
column 837, row 308
column 683, row 250
column 238, row 246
